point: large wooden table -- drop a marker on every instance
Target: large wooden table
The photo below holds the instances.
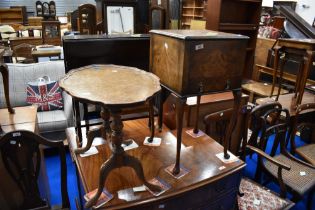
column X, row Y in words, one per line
column 204, row 187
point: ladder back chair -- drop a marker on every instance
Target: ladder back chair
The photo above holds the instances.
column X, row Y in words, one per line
column 283, row 168
column 306, row 152
column 21, row 157
column 23, row 53
column 249, row 191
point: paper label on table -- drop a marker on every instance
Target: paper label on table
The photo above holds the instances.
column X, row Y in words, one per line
column 302, row 173
column 232, row 158
column 161, row 183
column 102, row 200
column 256, row 202
column 91, row 151
column 133, row 145
column 139, row 188
column 191, row 100
column 182, row 171
column 221, row 168
column 195, row 135
column 156, row 142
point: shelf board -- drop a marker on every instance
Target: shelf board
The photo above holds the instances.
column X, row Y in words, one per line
column 185, row 24
column 253, row 1
column 238, row 26
column 193, row 7
column 249, row 49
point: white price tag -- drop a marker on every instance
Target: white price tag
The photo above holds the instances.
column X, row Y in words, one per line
column 199, row 47
column 302, row 173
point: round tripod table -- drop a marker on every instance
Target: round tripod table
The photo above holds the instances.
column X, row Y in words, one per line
column 114, row 88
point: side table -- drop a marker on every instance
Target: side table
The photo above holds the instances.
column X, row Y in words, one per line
column 113, row 87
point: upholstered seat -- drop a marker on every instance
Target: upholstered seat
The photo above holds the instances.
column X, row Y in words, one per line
column 266, row 199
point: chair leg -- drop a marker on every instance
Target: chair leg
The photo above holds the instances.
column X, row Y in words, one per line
column 310, row 199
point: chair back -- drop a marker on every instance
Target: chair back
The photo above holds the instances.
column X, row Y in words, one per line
column 157, row 17
column 216, row 125
column 279, row 129
column 256, row 121
column 23, row 53
column 303, row 124
column 21, row 157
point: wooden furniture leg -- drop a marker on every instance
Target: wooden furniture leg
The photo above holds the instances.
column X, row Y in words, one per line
column 196, row 127
column 77, row 120
column 118, row 159
column 180, row 103
column 308, row 62
column 97, row 132
column 151, row 116
column 5, row 77
column 227, row 138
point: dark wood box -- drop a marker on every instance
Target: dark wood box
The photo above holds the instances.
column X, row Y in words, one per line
column 189, row 60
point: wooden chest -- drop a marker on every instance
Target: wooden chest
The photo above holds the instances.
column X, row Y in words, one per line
column 197, row 61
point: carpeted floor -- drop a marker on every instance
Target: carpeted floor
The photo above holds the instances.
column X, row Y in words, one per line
column 52, row 165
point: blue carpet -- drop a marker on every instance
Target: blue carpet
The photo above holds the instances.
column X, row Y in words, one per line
column 53, row 171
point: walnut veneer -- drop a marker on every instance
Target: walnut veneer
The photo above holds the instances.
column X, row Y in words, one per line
column 204, row 187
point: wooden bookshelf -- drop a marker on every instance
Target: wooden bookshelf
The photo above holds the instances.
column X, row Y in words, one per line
column 192, row 10
column 238, row 17
column 14, row 15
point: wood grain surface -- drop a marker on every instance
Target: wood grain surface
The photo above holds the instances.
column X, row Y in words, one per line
column 198, row 155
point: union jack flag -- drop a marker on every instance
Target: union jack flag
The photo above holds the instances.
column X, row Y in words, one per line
column 47, row 97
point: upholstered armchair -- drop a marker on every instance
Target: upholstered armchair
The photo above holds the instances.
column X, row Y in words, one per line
column 20, row 75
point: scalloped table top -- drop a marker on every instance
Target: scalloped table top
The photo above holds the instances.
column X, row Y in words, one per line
column 110, row 84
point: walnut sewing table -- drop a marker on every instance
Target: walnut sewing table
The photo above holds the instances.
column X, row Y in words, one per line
column 114, row 88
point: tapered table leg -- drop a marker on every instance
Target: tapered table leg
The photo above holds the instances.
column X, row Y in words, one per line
column 180, row 103
column 227, row 138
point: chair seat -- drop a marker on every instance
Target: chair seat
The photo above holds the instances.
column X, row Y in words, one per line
column 52, row 121
column 255, row 192
column 307, row 152
column 292, row 178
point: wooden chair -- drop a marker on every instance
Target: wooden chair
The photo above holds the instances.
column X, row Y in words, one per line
column 21, row 157
column 23, row 53
column 216, row 124
column 157, row 17
column 283, row 168
column 256, row 123
column 306, row 152
column 87, row 19
column 249, row 191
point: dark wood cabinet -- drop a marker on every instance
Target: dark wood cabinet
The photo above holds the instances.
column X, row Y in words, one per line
column 239, row 17
column 197, row 61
